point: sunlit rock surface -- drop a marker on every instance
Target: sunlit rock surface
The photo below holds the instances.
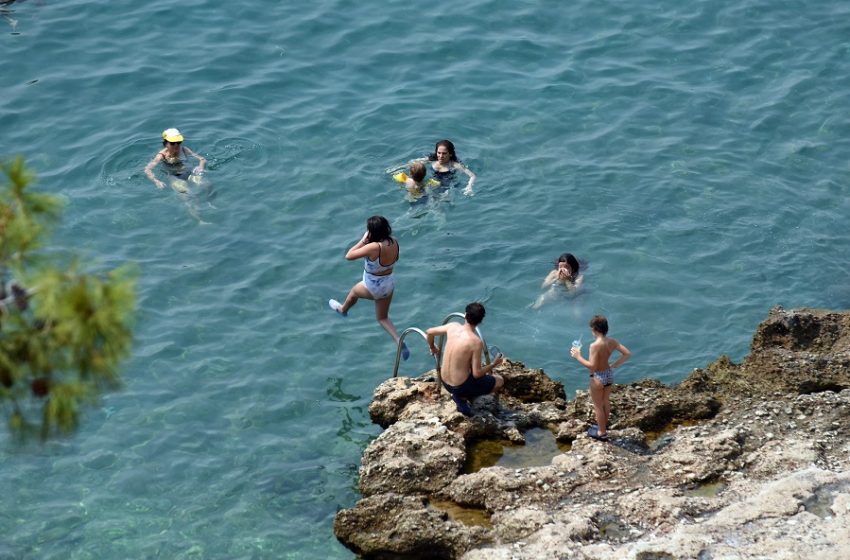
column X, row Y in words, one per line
column 742, row 460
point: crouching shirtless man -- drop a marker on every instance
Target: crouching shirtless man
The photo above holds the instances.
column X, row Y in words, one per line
column 462, row 373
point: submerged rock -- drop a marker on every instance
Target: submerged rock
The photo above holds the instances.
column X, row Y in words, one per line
column 738, row 460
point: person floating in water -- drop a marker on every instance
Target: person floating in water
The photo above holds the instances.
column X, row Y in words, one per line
column 173, row 157
column 415, row 182
column 379, row 252
column 462, row 373
column 566, row 274
column 444, row 163
column 601, row 373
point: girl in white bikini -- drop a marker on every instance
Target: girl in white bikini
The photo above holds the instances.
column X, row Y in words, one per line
column 379, row 251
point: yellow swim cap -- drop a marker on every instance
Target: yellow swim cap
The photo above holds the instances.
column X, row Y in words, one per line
column 172, row 135
column 400, row 177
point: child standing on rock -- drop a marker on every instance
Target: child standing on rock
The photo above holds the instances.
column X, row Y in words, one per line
column 601, row 373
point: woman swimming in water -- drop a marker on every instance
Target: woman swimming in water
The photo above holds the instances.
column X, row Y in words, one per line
column 566, row 273
column 173, row 156
column 173, row 160
column 379, row 251
column 444, row 164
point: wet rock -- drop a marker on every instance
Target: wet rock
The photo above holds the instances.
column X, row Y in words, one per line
column 570, row 429
column 633, row 439
column 394, row 526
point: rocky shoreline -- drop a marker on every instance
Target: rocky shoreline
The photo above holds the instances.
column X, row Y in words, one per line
column 744, row 460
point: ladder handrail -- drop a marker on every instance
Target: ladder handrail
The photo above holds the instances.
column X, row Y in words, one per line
column 438, row 358
column 401, row 338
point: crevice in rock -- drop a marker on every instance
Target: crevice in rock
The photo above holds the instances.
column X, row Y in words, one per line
column 653, row 555
column 667, row 417
column 813, row 386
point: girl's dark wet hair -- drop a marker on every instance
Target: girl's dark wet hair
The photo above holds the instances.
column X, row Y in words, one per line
column 570, row 260
column 379, row 228
column 447, row 144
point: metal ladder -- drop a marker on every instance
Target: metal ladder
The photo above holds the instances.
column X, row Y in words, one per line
column 441, row 340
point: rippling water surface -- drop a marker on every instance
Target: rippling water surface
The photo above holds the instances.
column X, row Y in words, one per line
column 694, row 155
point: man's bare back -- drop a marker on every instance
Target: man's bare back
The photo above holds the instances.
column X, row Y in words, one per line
column 462, row 353
column 461, row 372
column 463, row 349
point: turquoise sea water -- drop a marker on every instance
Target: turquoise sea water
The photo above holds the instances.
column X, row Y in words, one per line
column 694, row 155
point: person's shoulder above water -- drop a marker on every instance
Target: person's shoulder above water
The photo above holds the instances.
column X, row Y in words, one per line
column 172, row 154
column 444, row 162
column 415, row 182
column 567, row 271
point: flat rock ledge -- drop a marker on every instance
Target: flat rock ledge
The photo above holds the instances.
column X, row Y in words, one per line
column 744, row 460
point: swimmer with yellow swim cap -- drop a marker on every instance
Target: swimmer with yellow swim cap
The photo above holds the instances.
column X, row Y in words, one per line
column 415, row 183
column 173, row 156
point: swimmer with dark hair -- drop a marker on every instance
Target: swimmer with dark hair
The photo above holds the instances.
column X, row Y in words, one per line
column 379, row 251
column 444, row 164
column 566, row 274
